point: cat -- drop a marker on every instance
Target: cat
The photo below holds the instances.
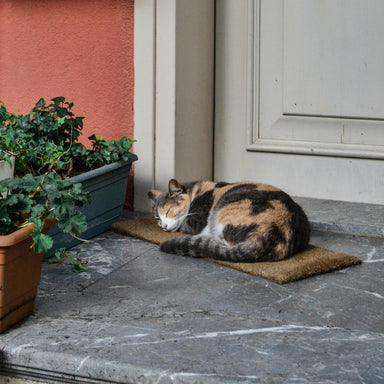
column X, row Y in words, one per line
column 239, row 222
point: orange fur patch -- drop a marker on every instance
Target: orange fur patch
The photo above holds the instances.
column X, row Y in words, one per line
column 200, row 188
column 266, row 187
column 236, row 214
column 173, row 207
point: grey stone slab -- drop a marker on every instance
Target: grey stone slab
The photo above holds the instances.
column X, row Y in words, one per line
column 142, row 316
column 344, row 217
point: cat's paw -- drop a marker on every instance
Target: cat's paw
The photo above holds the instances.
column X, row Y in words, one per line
column 177, row 246
column 166, row 246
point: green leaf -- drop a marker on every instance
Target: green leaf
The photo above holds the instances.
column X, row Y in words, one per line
column 30, row 183
column 58, row 253
column 40, row 103
column 38, row 223
column 76, row 223
column 61, row 208
column 19, row 203
column 58, row 100
column 126, row 156
column 41, row 242
column 37, row 210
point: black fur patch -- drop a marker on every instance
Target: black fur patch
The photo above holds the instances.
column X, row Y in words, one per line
column 221, row 184
column 237, row 233
column 198, row 212
column 275, row 236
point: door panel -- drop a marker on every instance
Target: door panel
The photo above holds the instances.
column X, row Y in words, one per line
column 321, row 78
column 299, row 90
column 332, row 58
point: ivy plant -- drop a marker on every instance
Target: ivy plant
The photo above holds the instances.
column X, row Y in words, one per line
column 78, row 264
column 47, row 140
column 45, row 144
column 33, row 199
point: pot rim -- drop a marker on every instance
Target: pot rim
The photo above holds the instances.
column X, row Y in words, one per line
column 22, row 233
column 102, row 170
column 17, row 236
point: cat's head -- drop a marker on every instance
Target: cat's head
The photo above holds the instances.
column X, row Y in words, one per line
column 170, row 208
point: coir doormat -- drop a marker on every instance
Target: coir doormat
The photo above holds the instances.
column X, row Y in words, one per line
column 313, row 261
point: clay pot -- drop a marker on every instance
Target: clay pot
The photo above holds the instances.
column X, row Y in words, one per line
column 20, row 269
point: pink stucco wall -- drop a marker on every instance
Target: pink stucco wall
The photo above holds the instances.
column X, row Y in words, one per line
column 79, row 49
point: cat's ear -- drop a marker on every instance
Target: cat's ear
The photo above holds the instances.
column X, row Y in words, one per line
column 153, row 195
column 174, row 187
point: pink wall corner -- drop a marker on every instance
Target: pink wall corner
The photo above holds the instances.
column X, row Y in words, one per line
column 82, row 50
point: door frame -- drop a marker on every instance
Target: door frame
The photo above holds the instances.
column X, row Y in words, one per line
column 174, row 93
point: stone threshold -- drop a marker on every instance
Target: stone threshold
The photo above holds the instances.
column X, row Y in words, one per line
column 344, row 217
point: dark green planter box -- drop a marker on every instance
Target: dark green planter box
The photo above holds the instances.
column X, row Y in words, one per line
column 107, row 186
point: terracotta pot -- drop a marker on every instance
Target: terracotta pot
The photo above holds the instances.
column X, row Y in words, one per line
column 20, row 269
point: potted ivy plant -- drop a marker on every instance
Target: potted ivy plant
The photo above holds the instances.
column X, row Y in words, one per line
column 53, row 174
column 47, row 140
column 29, row 206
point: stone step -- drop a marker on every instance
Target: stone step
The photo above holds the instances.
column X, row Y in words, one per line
column 139, row 315
column 344, row 217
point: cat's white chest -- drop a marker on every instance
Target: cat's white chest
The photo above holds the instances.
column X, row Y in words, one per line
column 214, row 231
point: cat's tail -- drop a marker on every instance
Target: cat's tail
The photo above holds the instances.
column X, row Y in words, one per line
column 201, row 246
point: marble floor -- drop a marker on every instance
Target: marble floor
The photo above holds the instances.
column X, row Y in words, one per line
column 142, row 316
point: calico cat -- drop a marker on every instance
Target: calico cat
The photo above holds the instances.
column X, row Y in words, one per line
column 242, row 222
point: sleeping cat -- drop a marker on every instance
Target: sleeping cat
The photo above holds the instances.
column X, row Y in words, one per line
column 243, row 222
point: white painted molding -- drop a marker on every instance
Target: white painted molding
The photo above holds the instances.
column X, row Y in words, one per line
column 144, row 101
column 184, row 90
column 317, row 149
column 174, row 83
column 165, row 92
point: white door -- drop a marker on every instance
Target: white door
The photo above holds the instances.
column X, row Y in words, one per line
column 300, row 96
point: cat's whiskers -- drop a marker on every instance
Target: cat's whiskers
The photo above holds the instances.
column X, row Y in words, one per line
column 188, row 214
